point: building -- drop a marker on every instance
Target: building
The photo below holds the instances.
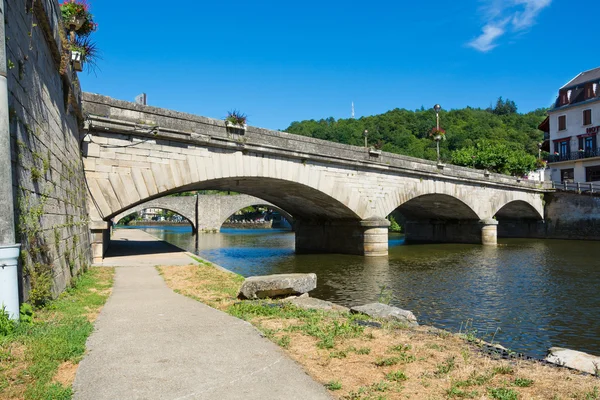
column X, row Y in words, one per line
column 573, row 126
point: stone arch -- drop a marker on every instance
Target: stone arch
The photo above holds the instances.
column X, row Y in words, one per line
column 139, row 208
column 518, row 210
column 304, row 190
column 465, row 197
column 437, row 206
column 184, row 206
column 227, row 212
column 440, row 218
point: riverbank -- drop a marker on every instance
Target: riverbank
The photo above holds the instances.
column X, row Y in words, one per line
column 355, row 360
column 39, row 360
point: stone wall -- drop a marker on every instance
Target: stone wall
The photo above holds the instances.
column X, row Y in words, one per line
column 48, row 180
column 566, row 216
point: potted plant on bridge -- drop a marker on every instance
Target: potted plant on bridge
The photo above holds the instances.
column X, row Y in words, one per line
column 375, row 151
column 236, row 121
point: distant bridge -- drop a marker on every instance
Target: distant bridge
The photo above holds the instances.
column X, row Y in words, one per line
column 339, row 195
column 205, row 213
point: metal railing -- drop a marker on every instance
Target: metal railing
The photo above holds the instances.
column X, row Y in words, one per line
column 578, row 187
column 574, row 155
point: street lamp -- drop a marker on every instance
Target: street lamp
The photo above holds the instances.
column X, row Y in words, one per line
column 437, row 137
column 366, row 135
column 539, row 151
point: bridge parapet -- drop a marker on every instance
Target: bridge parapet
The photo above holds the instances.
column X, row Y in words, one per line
column 119, row 116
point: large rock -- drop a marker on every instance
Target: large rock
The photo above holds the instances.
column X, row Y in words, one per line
column 260, row 287
column 574, row 359
column 311, row 303
column 378, row 310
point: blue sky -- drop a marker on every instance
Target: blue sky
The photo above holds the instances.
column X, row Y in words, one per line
column 281, row 61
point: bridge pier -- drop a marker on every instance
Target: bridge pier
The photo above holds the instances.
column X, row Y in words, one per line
column 365, row 238
column 100, row 239
column 483, row 232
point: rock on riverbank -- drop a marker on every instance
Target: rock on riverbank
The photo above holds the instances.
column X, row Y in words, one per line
column 260, row 287
column 379, row 310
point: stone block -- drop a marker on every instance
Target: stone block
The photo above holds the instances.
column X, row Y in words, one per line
column 312, row 303
column 378, row 310
column 260, row 287
column 574, row 359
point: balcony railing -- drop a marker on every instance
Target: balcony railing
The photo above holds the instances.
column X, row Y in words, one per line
column 579, row 187
column 574, row 155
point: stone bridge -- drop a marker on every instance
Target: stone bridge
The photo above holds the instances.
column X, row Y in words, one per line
column 339, row 195
column 206, row 213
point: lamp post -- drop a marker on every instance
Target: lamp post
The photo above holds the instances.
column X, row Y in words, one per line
column 438, row 137
column 366, row 135
column 539, row 151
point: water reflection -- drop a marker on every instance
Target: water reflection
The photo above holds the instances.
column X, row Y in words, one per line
column 540, row 293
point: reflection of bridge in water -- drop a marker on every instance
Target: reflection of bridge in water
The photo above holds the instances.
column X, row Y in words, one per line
column 205, row 213
column 339, row 195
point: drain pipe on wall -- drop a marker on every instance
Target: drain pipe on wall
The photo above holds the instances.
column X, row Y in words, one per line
column 9, row 251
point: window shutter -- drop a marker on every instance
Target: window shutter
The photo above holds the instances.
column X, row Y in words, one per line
column 580, row 143
column 562, row 123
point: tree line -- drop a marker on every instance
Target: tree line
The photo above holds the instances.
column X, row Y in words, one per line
column 497, row 138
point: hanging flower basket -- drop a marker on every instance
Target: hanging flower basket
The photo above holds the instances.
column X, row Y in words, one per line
column 77, row 18
column 437, row 134
column 75, row 23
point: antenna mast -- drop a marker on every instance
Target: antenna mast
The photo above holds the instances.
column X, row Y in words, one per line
column 352, row 111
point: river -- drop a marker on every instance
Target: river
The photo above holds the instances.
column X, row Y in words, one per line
column 533, row 294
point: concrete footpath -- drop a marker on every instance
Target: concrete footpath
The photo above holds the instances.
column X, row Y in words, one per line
column 151, row 343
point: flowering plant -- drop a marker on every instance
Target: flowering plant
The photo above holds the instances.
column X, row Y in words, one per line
column 88, row 50
column 438, row 132
column 78, row 9
column 236, row 117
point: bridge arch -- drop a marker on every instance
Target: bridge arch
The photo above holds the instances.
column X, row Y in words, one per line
column 184, row 206
column 140, row 208
column 518, row 210
column 229, row 211
column 437, row 206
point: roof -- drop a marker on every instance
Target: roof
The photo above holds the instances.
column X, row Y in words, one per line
column 583, row 77
column 545, row 125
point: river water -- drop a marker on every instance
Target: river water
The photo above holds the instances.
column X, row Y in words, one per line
column 533, row 294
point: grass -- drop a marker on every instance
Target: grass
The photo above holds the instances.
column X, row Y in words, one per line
column 362, row 362
column 39, row 361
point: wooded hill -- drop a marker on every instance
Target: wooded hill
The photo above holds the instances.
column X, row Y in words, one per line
column 498, row 138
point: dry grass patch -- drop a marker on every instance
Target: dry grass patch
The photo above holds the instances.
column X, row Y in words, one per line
column 392, row 362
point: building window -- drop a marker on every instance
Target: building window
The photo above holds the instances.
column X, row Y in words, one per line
column 589, row 91
column 563, row 148
column 587, row 117
column 564, row 99
column 562, row 122
column 589, row 144
column 592, row 174
column 567, row 175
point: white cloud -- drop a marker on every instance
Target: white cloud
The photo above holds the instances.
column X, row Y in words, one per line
column 485, row 41
column 506, row 16
column 526, row 18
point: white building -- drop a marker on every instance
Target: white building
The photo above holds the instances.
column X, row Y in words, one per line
column 574, row 125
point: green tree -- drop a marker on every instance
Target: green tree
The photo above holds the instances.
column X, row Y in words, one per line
column 406, row 132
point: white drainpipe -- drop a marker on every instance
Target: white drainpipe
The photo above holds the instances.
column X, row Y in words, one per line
column 9, row 251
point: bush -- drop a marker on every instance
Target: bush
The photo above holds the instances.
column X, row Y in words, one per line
column 7, row 325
